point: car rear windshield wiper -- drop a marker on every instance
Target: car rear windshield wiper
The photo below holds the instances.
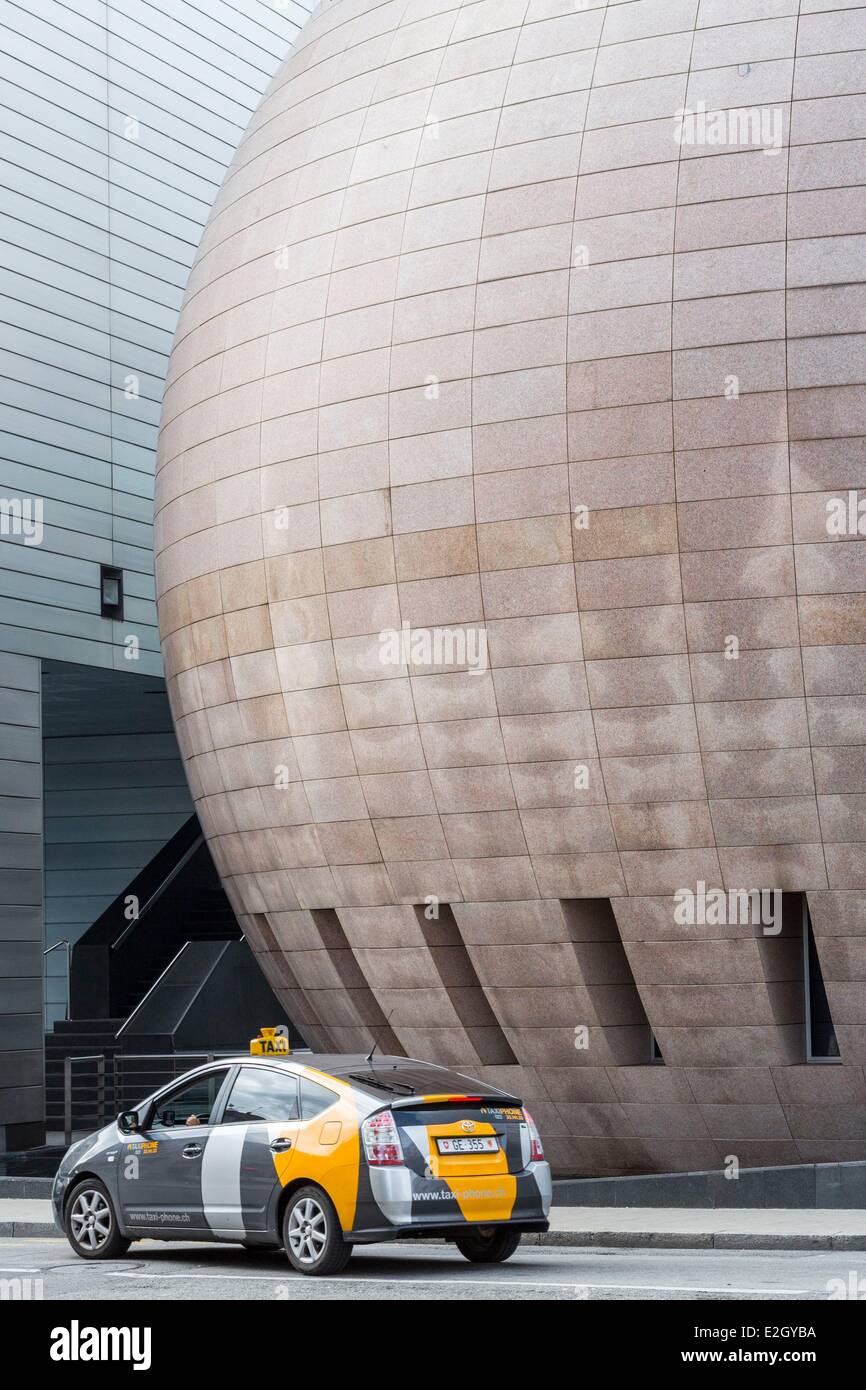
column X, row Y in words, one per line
column 395, row 1087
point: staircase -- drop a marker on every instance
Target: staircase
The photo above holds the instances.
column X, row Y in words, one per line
column 180, row 898
column 207, row 917
column 117, row 962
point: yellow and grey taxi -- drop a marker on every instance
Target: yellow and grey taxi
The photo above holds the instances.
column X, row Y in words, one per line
column 313, row 1153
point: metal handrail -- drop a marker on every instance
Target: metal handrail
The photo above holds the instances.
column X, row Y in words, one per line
column 141, row 1003
column 90, row 1084
column 158, row 892
column 63, row 942
column 195, row 1059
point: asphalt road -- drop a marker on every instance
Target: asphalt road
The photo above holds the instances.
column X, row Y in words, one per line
column 154, row 1270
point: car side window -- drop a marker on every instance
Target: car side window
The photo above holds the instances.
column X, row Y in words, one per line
column 262, row 1094
column 189, row 1105
column 315, row 1099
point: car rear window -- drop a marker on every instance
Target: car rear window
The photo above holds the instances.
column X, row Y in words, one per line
column 417, row 1080
column 315, row 1098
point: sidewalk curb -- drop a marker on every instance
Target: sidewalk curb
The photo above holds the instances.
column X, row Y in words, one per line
column 694, row 1240
column 621, row 1240
column 33, row 1230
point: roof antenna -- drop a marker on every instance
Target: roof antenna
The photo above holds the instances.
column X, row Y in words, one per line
column 369, row 1056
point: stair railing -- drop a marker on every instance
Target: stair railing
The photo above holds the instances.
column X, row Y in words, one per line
column 157, row 982
column 98, row 968
column 86, row 1090
column 158, row 892
column 139, row 1074
column 45, row 954
column 134, row 1075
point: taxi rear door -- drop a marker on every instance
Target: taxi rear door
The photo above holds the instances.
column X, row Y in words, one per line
column 251, row 1149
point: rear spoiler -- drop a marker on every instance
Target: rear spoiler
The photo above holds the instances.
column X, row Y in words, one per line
column 497, row 1102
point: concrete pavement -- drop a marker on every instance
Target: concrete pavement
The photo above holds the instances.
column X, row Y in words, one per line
column 694, row 1228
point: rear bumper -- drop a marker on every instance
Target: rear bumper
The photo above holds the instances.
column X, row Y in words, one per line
column 404, row 1198
column 438, row 1231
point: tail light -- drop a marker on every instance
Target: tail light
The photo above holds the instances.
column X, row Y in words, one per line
column 382, row 1140
column 536, row 1152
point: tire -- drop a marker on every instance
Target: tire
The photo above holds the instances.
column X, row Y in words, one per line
column 490, row 1246
column 312, row 1235
column 91, row 1222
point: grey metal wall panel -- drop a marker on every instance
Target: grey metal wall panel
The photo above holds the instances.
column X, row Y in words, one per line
column 20, row 1104
column 17, row 707
column 20, row 923
column 19, row 742
column 20, row 673
column 20, row 814
column 21, row 887
column 20, row 1069
column 99, row 222
column 21, row 890
column 21, row 1033
column 19, row 852
column 23, row 959
column 20, row 994
column 19, row 779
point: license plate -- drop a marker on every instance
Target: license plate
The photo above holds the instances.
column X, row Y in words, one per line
column 486, row 1144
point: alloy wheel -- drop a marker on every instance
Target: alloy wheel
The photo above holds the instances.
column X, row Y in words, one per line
column 90, row 1219
column 307, row 1231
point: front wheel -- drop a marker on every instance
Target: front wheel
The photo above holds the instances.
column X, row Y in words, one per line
column 312, row 1234
column 489, row 1246
column 91, row 1223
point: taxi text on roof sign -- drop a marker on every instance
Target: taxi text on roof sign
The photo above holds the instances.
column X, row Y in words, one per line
column 270, row 1042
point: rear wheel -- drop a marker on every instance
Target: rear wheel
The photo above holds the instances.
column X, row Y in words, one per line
column 91, row 1223
column 488, row 1246
column 312, row 1234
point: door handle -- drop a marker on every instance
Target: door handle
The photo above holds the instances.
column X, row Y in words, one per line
column 192, row 1151
column 279, row 1146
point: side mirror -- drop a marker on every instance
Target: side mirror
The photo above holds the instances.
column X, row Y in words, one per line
column 127, row 1122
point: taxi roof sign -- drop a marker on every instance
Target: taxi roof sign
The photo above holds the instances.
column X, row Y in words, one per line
column 271, row 1042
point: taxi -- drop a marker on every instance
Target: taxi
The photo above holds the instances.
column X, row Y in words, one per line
column 313, row 1153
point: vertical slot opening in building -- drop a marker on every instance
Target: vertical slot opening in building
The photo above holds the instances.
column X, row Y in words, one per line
column 822, row 1044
